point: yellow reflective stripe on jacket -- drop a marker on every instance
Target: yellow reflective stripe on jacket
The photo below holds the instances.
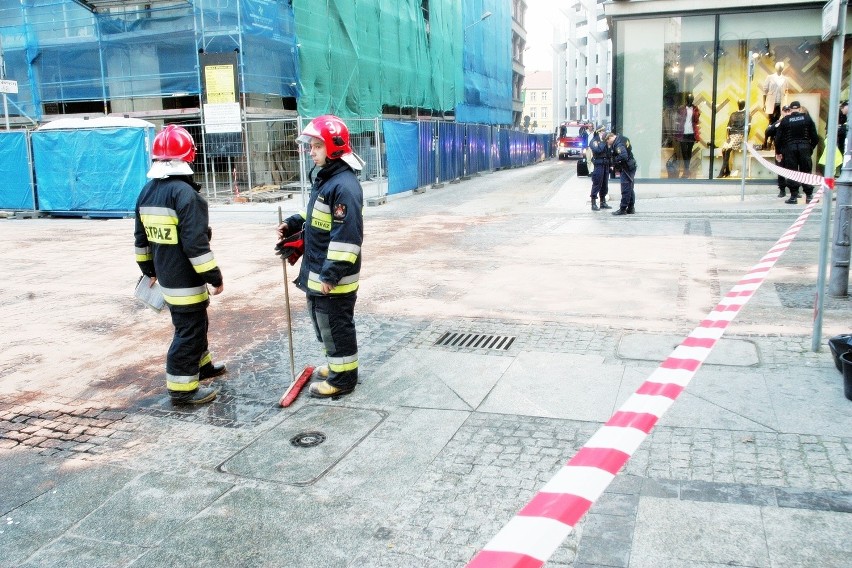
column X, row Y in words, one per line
column 185, row 296
column 160, row 224
column 345, row 252
column 341, row 364
column 321, row 216
column 204, row 262
column 347, row 284
column 158, row 215
column 182, row 383
column 143, row 254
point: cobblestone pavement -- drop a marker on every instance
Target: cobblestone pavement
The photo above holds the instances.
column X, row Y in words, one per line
column 107, row 473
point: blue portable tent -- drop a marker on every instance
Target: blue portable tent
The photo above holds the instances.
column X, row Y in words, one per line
column 16, row 191
column 91, row 166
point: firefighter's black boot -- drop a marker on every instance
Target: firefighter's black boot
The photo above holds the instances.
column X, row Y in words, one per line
column 210, row 370
column 604, row 204
column 794, row 198
column 620, row 211
column 201, row 395
column 595, row 205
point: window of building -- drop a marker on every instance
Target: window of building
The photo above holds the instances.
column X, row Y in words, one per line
column 544, row 96
column 544, row 113
column 678, row 94
column 532, row 95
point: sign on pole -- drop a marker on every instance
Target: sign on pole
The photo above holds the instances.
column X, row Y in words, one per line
column 8, row 86
column 595, row 96
column 830, row 19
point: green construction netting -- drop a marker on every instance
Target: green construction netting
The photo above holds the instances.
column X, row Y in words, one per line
column 356, row 57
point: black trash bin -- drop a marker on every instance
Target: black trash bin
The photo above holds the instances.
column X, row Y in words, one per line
column 840, row 344
column 846, row 359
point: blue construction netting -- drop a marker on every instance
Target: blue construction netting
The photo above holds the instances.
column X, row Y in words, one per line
column 79, row 55
column 487, row 62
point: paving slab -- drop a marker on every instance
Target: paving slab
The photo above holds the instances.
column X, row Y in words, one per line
column 150, row 507
column 653, row 347
column 819, row 538
column 434, row 378
column 302, row 448
column 673, row 534
column 557, row 385
column 257, row 526
column 77, row 491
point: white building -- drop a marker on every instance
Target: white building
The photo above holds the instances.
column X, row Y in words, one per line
column 582, row 60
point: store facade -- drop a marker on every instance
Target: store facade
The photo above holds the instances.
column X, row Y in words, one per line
column 681, row 76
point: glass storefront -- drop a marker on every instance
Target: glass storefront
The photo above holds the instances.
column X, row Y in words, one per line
column 681, row 88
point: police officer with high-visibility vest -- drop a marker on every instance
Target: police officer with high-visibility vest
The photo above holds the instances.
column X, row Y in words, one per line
column 333, row 230
column 173, row 247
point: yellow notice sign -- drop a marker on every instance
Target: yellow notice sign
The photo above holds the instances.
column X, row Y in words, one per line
column 219, row 84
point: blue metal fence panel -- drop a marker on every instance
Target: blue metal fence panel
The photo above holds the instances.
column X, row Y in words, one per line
column 400, row 138
column 427, row 135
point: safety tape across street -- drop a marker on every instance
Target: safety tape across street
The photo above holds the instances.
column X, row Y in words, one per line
column 536, row 531
column 801, row 177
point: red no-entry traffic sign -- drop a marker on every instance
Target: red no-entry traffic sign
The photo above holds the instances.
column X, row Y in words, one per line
column 595, row 96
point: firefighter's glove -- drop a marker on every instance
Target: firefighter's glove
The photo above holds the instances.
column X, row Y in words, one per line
column 291, row 248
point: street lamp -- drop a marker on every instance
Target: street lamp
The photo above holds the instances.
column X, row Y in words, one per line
column 485, row 14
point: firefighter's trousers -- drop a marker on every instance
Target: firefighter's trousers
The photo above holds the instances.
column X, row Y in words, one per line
column 334, row 323
column 189, row 345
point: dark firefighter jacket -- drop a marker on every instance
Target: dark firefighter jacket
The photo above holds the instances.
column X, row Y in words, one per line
column 172, row 242
column 334, row 231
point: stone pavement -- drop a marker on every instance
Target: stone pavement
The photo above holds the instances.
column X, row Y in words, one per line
column 500, row 323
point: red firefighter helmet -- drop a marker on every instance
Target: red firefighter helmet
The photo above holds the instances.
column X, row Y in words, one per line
column 330, row 130
column 174, row 143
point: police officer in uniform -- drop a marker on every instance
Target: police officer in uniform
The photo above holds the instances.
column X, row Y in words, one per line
column 173, row 246
column 772, row 130
column 333, row 228
column 600, row 173
column 621, row 155
column 797, row 137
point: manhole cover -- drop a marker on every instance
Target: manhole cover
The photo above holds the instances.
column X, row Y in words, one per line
column 307, row 439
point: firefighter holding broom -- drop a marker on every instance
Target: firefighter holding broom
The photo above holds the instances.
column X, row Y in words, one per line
column 330, row 233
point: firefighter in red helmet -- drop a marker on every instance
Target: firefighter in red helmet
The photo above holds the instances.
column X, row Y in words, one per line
column 333, row 229
column 173, row 247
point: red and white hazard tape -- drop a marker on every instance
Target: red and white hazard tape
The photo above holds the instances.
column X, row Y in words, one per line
column 801, row 177
column 532, row 536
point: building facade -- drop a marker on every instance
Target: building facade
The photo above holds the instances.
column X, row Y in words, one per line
column 519, row 43
column 678, row 58
column 538, row 102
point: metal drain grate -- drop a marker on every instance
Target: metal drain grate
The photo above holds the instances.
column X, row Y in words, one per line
column 476, row 340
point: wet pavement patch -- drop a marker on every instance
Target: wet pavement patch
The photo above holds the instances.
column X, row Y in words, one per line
column 275, row 457
column 258, row 376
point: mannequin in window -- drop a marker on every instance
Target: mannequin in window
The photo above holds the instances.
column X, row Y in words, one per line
column 734, row 143
column 774, row 92
column 687, row 132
